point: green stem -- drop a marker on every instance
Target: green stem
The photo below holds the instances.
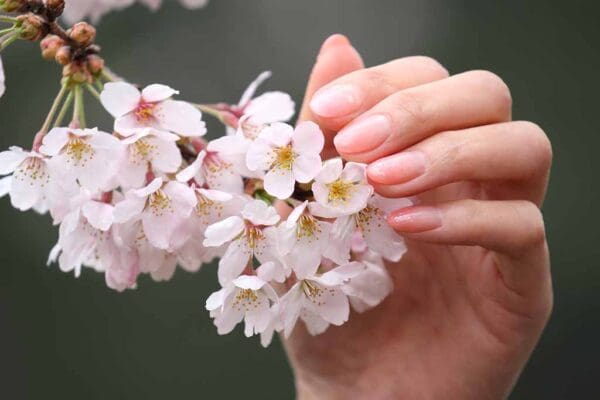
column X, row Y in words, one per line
column 93, row 91
column 99, row 85
column 54, row 108
column 109, row 76
column 79, row 109
column 7, row 30
column 7, row 19
column 63, row 111
column 7, row 39
column 210, row 111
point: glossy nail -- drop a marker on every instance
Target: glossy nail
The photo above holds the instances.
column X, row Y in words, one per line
column 416, row 219
column 399, row 168
column 336, row 101
column 364, row 134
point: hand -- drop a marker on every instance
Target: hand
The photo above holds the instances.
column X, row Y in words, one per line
column 473, row 293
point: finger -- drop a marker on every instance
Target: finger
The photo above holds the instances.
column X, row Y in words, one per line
column 514, row 229
column 344, row 99
column 336, row 58
column 514, row 157
column 409, row 116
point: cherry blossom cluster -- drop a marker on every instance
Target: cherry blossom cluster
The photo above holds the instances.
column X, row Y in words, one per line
column 297, row 237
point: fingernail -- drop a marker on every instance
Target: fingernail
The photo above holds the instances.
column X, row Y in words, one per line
column 336, row 101
column 399, row 168
column 336, row 39
column 364, row 134
column 416, row 219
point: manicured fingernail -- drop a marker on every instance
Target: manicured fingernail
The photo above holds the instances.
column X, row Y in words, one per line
column 416, row 219
column 336, row 101
column 399, row 168
column 364, row 134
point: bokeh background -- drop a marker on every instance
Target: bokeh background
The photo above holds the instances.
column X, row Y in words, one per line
column 76, row 339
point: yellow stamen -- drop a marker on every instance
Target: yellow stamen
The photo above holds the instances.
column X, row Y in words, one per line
column 340, row 191
column 159, row 203
column 79, row 152
column 284, row 157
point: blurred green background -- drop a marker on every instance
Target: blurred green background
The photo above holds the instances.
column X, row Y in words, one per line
column 76, row 339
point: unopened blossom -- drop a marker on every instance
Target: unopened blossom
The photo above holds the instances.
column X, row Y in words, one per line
column 83, row 155
column 77, row 10
column 288, row 155
column 148, row 150
column 370, row 223
column 250, row 235
column 162, row 208
column 213, row 170
column 153, row 108
column 247, row 298
column 28, row 184
column 340, row 190
column 302, row 241
column 2, row 79
column 319, row 298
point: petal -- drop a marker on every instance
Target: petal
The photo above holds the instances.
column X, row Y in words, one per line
column 99, row 215
column 233, row 262
column 280, row 183
column 217, row 299
column 223, row 231
column 167, row 157
column 315, row 325
column 332, row 305
column 11, row 159
column 260, row 156
column 149, row 189
column 27, row 189
column 355, row 172
column 370, row 287
column 119, row 98
column 5, row 184
column 277, row 134
column 295, row 215
column 156, row 92
column 270, row 107
column 129, row 209
column 249, row 92
column 331, row 171
column 308, row 138
column 249, row 282
column 128, row 124
column 341, row 274
column 54, row 141
column 259, row 213
column 181, row 118
column 306, row 167
column 182, row 196
column 193, row 170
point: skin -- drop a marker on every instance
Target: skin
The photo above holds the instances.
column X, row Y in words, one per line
column 473, row 293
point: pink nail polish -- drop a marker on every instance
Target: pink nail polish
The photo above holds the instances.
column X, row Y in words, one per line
column 336, row 101
column 399, row 168
column 364, row 134
column 416, row 219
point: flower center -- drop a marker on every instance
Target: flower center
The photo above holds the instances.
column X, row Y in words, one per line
column 340, row 191
column 144, row 111
column 142, row 150
column 78, row 151
column 33, row 168
column 365, row 217
column 159, row 203
column 307, row 227
column 245, row 298
column 206, row 207
column 284, row 157
column 254, row 236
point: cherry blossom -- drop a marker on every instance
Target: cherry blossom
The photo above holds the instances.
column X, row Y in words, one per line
column 247, row 298
column 83, row 155
column 340, row 190
column 150, row 108
column 212, row 169
column 27, row 186
column 250, row 235
column 369, row 288
column 289, row 155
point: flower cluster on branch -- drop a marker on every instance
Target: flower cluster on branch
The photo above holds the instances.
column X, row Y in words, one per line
column 297, row 237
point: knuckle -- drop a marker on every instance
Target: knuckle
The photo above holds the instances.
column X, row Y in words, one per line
column 434, row 67
column 538, row 142
column 376, row 79
column 411, row 104
column 492, row 83
column 536, row 233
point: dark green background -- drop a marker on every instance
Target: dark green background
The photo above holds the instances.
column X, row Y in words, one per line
column 76, row 339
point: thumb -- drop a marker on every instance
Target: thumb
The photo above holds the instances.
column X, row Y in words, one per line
column 336, row 58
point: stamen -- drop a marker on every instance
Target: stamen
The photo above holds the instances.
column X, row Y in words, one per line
column 340, row 191
column 247, row 299
column 307, row 227
column 160, row 203
column 79, row 152
column 144, row 112
column 142, row 151
column 284, row 157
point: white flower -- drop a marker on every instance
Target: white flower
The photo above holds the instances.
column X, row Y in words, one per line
column 2, row 79
column 148, row 150
column 212, row 169
column 152, row 108
column 340, row 190
column 251, row 235
column 319, row 298
column 246, row 298
column 371, row 286
column 83, row 155
column 288, row 154
column 162, row 209
column 302, row 241
column 371, row 224
column 27, row 185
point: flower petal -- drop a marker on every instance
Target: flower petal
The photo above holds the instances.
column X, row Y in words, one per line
column 308, row 138
column 259, row 213
column 280, row 183
column 223, row 231
column 54, row 141
column 233, row 262
column 306, row 167
column 270, row 107
column 99, row 215
column 11, row 159
column 331, row 171
column 156, row 92
column 278, row 134
column 119, row 98
column 181, row 118
column 260, row 156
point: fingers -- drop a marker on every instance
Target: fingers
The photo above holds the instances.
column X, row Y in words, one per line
column 409, row 116
column 514, row 156
column 336, row 58
column 515, row 229
column 349, row 96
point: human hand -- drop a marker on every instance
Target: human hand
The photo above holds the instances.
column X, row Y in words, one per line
column 473, row 293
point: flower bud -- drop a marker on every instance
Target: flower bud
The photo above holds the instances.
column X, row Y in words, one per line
column 95, row 64
column 11, row 5
column 55, row 7
column 83, row 33
column 63, row 55
column 50, row 45
column 33, row 27
column 77, row 73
